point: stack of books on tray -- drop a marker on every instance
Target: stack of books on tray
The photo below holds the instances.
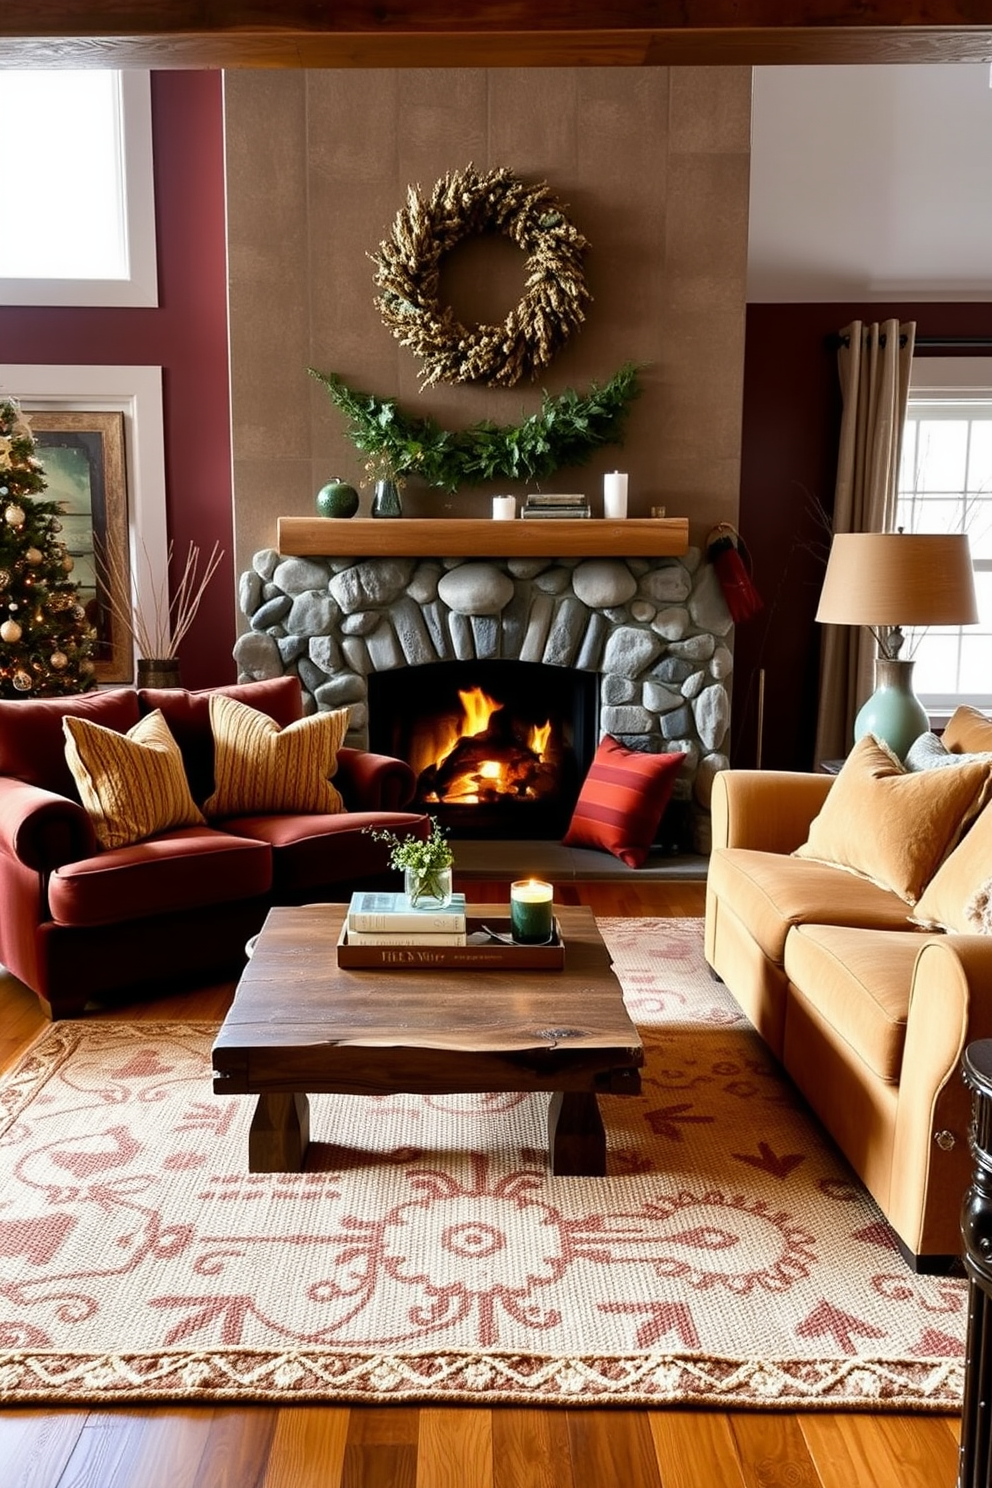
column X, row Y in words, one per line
column 382, row 919
column 543, row 506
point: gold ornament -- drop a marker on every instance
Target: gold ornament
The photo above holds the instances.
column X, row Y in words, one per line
column 466, row 204
column 22, row 681
column 68, row 563
column 10, row 632
column 14, row 515
column 33, row 555
column 58, row 660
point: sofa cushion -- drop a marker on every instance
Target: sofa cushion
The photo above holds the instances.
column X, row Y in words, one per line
column 968, row 731
column 310, row 852
column 859, row 983
column 944, row 902
column 892, row 826
column 132, row 785
column 188, row 716
column 32, row 744
column 262, row 768
column 622, row 800
column 185, row 869
column 771, row 892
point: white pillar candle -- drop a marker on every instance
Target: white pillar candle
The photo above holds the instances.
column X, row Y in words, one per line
column 530, row 911
column 504, row 508
column 614, row 494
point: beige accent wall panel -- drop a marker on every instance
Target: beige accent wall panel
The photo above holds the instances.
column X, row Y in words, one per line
column 652, row 167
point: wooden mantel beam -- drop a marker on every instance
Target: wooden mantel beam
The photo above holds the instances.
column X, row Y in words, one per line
column 488, row 33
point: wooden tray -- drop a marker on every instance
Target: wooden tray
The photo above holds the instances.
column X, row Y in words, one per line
column 490, row 955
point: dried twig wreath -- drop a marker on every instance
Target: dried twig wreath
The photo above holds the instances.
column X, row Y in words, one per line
column 408, row 263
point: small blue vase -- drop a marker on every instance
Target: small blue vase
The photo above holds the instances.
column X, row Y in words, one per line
column 386, row 501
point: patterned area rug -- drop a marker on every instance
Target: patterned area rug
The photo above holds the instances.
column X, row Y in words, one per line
column 729, row 1258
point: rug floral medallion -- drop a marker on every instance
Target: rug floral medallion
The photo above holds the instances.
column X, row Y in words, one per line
column 729, row 1258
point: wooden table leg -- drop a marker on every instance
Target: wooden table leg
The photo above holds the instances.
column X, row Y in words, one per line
column 279, row 1133
column 576, row 1139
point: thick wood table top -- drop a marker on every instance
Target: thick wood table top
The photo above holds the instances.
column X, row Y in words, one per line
column 301, row 1022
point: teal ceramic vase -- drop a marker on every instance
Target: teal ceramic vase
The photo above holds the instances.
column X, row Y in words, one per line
column 893, row 713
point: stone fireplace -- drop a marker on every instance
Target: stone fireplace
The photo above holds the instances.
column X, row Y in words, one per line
column 645, row 640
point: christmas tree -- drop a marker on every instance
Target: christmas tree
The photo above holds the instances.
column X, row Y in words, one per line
column 46, row 640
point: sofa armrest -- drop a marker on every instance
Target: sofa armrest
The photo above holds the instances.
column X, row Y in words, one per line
column 373, row 782
column 43, row 830
column 950, row 1006
column 769, row 810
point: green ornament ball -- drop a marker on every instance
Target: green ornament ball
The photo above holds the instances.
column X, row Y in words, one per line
column 337, row 499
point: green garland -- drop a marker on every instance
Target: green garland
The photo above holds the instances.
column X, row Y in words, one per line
column 563, row 432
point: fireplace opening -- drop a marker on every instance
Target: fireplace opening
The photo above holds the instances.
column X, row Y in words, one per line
column 499, row 748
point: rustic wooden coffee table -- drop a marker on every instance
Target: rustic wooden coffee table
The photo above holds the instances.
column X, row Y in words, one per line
column 301, row 1025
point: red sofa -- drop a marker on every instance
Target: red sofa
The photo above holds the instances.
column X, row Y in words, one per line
column 78, row 922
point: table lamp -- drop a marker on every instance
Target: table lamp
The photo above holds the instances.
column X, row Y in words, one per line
column 886, row 580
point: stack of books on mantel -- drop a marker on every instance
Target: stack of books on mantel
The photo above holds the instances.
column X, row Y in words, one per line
column 543, row 506
column 382, row 919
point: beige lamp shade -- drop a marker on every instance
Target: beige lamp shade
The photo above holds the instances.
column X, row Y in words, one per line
column 898, row 578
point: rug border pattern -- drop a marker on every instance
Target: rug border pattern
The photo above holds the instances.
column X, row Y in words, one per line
column 456, row 1376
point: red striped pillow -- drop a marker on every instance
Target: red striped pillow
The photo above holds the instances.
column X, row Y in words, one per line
column 622, row 800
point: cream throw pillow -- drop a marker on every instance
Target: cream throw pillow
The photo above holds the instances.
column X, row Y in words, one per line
column 945, row 901
column 132, row 785
column 259, row 767
column 890, row 826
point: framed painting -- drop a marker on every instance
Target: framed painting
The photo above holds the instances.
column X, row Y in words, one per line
column 85, row 471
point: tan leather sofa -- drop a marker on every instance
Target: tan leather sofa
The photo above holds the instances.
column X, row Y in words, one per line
column 868, row 1012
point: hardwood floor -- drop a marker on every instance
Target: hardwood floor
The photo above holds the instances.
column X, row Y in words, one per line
column 455, row 1447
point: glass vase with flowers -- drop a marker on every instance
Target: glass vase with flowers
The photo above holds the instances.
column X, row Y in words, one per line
column 425, row 864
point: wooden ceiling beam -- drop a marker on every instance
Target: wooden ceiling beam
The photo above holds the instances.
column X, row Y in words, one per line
column 488, row 33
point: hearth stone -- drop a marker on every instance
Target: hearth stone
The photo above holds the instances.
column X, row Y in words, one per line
column 656, row 630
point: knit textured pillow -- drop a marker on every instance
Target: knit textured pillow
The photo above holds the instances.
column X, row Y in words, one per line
column 621, row 801
column 259, row 767
column 132, row 785
column 893, row 826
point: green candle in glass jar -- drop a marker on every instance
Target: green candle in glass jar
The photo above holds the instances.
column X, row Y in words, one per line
column 530, row 911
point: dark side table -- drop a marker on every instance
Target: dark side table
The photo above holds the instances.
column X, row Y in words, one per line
column 975, row 1461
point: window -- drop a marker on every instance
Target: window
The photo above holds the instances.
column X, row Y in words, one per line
column 85, row 230
column 945, row 485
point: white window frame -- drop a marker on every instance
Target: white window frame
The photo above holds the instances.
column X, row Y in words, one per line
column 953, row 380
column 140, row 288
column 136, row 392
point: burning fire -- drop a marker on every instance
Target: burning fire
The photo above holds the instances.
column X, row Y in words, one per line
column 483, row 756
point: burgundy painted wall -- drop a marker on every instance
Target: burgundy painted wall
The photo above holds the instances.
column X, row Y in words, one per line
column 186, row 335
column 791, row 425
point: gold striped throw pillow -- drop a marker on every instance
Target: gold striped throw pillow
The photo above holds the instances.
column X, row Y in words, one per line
column 259, row 767
column 132, row 785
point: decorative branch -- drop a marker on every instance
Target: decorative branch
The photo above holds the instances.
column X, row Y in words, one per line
column 159, row 635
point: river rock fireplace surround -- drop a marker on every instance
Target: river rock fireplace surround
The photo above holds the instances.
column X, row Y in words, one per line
column 652, row 631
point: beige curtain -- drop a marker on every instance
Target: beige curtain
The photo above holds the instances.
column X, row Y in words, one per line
column 874, row 363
